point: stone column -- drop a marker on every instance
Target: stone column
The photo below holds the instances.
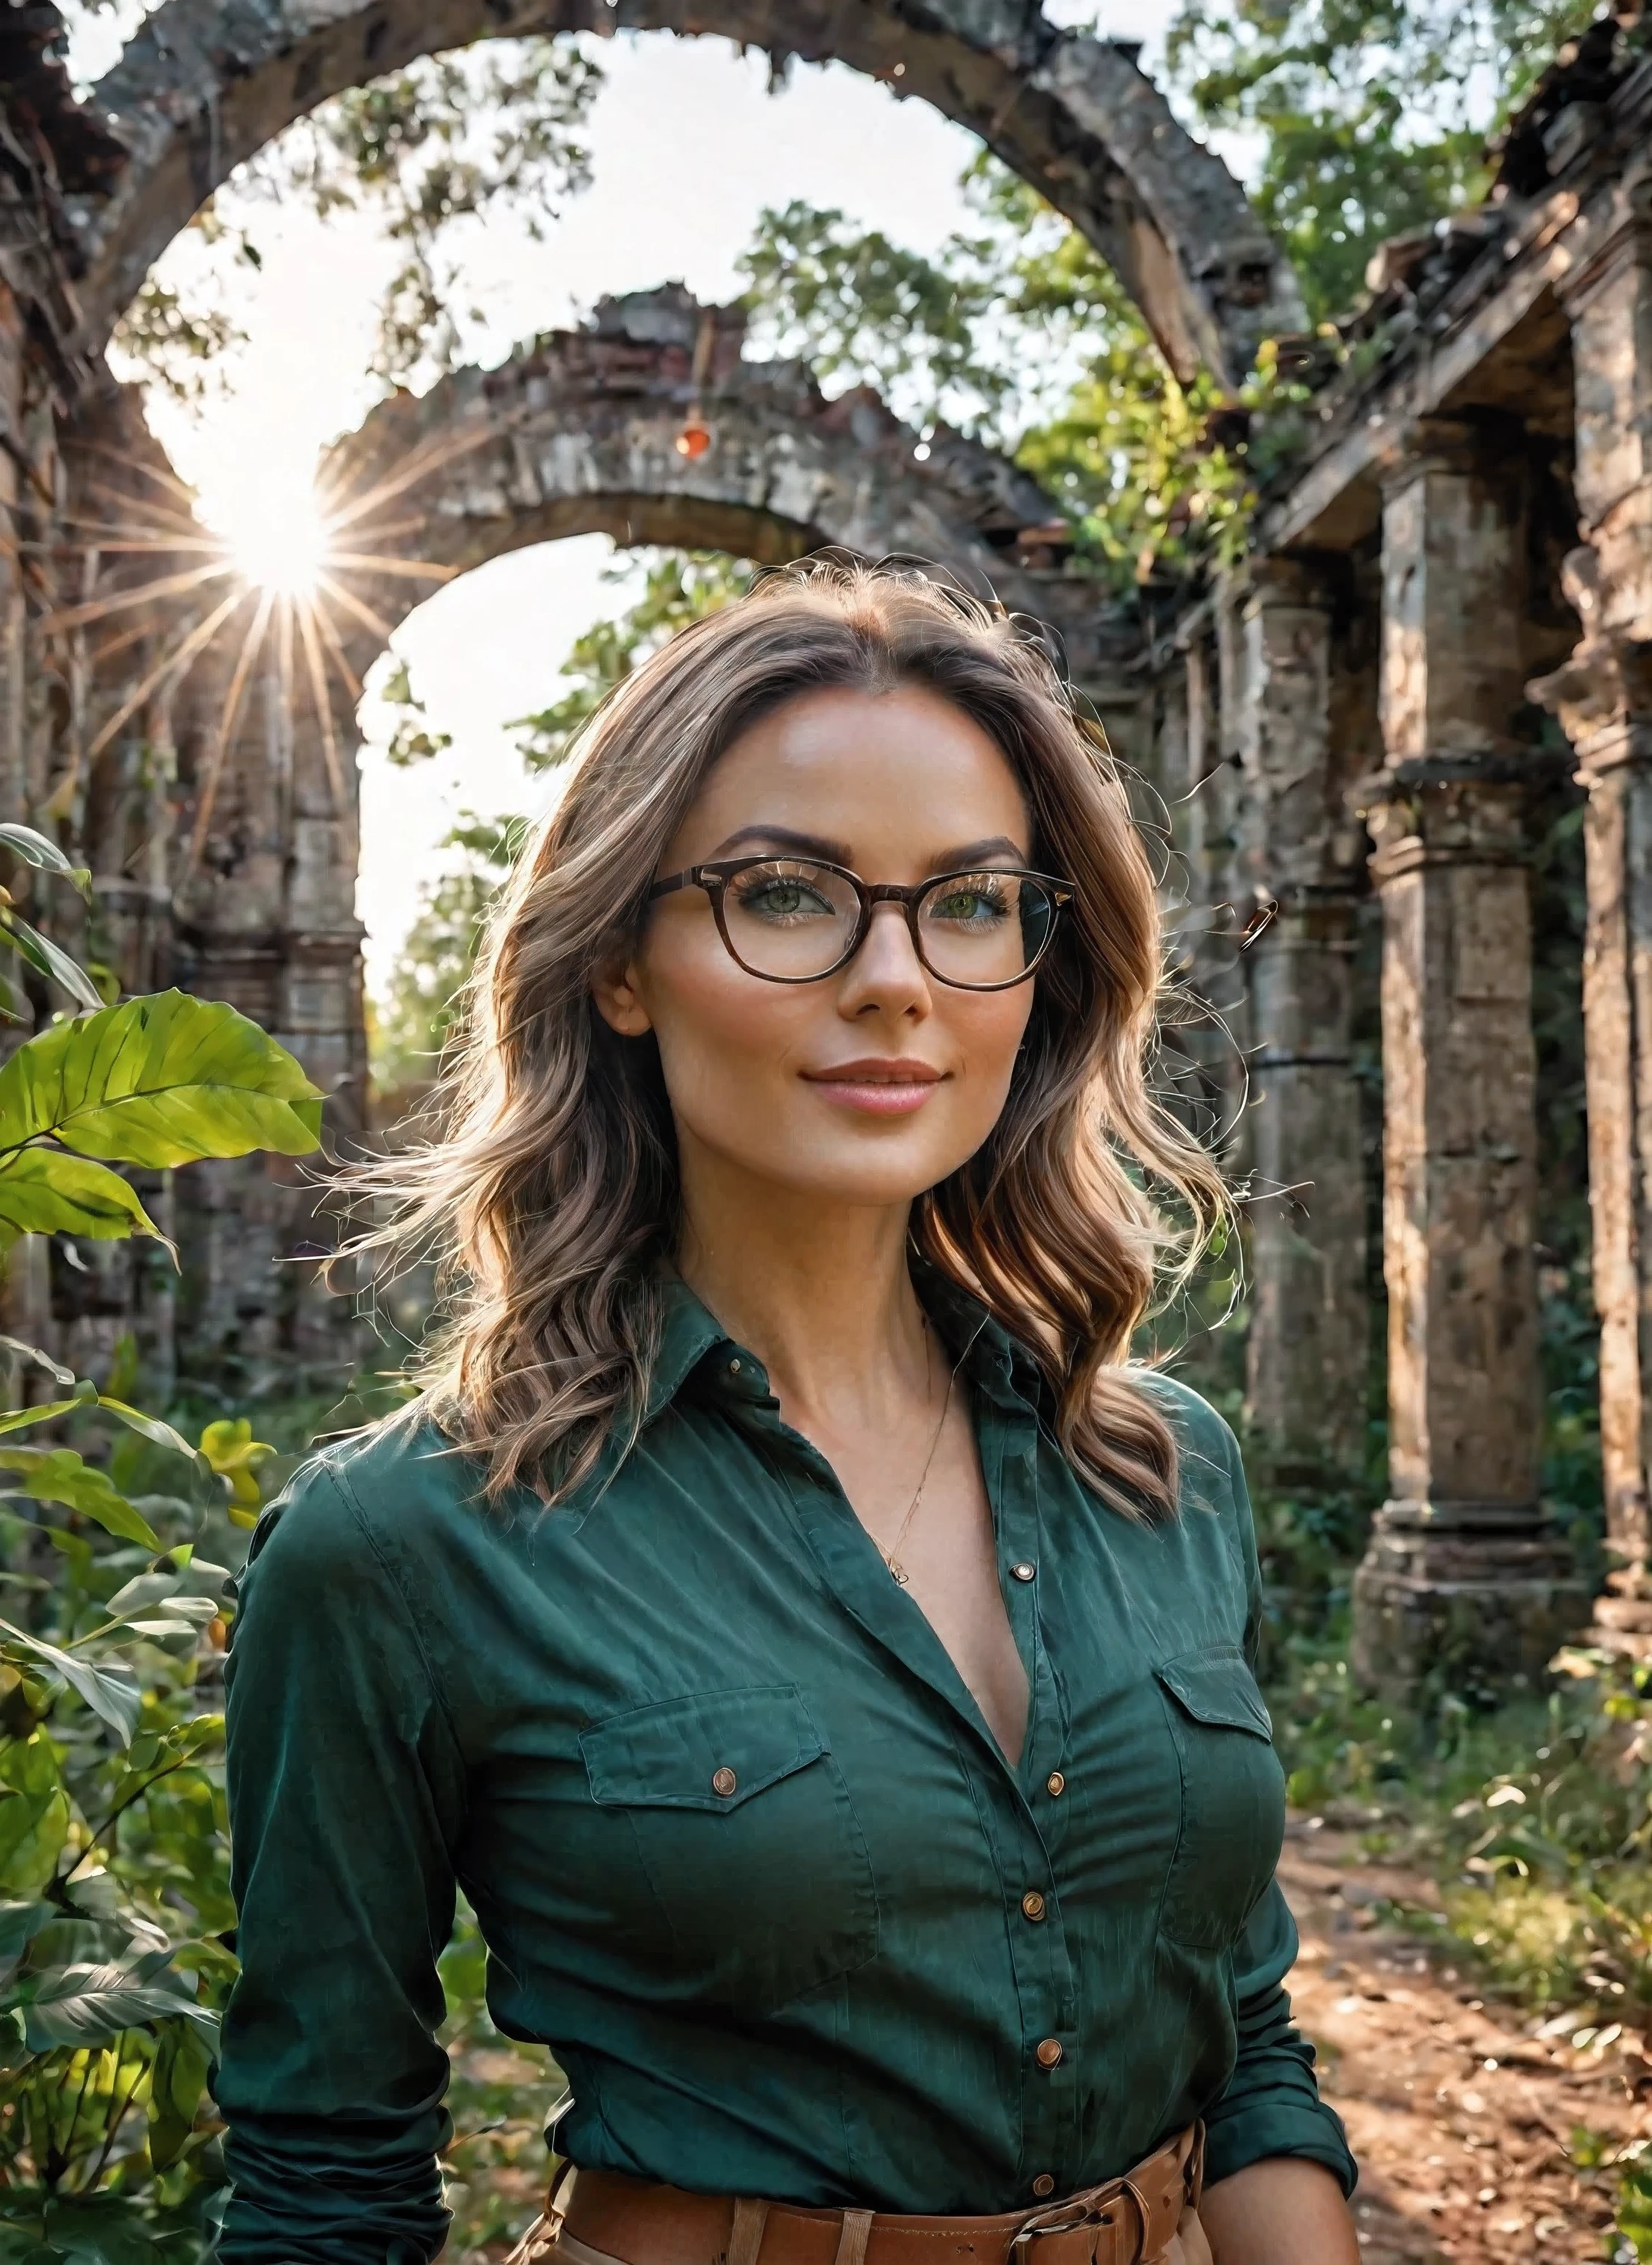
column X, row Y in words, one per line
column 1308, row 1342
column 1602, row 697
column 1462, row 1579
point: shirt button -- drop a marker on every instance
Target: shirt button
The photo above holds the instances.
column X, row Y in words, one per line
column 1043, row 2185
column 723, row 1781
column 1032, row 1904
column 1055, row 1785
column 1049, row 2051
column 1024, row 1571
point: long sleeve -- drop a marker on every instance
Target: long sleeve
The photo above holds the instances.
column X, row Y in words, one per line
column 346, row 1794
column 1272, row 2104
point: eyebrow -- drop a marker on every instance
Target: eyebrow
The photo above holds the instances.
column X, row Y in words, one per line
column 960, row 859
column 805, row 845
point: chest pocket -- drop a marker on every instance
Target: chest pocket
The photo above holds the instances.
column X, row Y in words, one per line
column 1233, row 1798
column 748, row 1840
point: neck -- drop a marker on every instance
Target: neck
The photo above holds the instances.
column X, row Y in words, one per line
column 819, row 1291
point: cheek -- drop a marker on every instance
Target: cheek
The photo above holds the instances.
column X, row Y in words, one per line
column 716, row 1026
column 988, row 1029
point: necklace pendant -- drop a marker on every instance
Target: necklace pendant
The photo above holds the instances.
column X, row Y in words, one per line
column 897, row 1574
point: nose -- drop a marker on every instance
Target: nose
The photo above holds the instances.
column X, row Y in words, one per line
column 886, row 975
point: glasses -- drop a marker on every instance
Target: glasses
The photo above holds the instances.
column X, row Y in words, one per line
column 795, row 920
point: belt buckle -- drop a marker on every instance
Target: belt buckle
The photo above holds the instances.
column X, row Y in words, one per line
column 1093, row 2212
column 1061, row 2217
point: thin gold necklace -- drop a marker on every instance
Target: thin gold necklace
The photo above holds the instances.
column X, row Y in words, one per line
column 891, row 1556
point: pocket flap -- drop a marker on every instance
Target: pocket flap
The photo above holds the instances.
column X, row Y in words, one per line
column 710, row 1750
column 1217, row 1687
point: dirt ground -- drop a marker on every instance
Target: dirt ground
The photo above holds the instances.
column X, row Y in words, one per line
column 1460, row 2113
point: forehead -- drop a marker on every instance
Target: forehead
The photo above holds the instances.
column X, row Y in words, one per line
column 899, row 770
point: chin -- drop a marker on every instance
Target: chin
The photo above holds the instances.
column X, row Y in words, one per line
column 878, row 1171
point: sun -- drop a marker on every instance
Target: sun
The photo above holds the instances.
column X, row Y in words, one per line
column 278, row 539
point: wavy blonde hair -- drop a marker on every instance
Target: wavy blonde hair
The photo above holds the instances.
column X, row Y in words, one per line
column 550, row 1194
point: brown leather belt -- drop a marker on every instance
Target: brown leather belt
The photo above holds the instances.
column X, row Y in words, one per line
column 600, row 2217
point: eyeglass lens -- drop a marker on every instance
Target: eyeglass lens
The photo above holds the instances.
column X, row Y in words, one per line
column 792, row 919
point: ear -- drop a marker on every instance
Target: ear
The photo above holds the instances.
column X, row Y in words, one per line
column 619, row 999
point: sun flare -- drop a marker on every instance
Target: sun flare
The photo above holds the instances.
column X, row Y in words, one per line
column 279, row 540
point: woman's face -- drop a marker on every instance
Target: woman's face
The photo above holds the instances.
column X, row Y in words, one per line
column 873, row 1083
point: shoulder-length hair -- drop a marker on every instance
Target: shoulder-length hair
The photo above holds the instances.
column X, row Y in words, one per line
column 550, row 1194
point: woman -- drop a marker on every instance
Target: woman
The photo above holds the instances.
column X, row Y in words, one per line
column 820, row 1661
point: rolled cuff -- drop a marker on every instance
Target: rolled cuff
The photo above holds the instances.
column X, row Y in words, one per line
column 1251, row 2131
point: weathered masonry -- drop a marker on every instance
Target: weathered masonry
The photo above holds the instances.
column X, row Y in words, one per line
column 1446, row 618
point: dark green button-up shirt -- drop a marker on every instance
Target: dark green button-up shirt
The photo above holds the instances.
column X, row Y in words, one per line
column 744, row 1851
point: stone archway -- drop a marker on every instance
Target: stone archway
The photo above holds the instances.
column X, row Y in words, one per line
column 580, row 432
column 201, row 88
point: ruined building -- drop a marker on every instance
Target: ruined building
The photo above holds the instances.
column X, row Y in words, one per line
column 1446, row 615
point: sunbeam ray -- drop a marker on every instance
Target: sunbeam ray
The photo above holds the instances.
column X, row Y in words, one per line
column 412, row 569
column 427, row 456
column 169, row 586
column 185, row 652
column 159, row 476
column 334, row 644
column 321, row 692
column 251, row 645
column 351, row 604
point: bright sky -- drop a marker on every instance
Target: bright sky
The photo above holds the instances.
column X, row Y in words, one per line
column 687, row 147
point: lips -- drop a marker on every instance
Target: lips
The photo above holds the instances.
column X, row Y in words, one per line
column 877, row 1087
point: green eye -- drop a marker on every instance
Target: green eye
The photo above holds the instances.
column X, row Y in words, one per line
column 968, row 908
column 784, row 900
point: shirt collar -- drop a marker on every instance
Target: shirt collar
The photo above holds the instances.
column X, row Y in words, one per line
column 983, row 1349
column 688, row 1332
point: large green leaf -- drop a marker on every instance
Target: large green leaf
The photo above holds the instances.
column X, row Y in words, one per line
column 43, row 1191
column 88, row 2005
column 112, row 1692
column 156, row 1081
column 59, row 1474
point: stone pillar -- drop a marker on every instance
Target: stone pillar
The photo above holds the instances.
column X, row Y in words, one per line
column 1462, row 1580
column 1308, row 1342
column 1602, row 697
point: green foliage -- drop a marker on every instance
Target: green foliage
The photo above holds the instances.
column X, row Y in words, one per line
column 1373, row 118
column 155, row 1083
column 413, row 739
column 114, row 1897
column 860, row 308
column 183, row 348
column 1535, row 1818
column 25, row 942
column 413, row 1020
column 113, row 1866
column 1019, row 333
column 1634, row 2202
column 503, row 2092
column 428, row 153
column 679, row 588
